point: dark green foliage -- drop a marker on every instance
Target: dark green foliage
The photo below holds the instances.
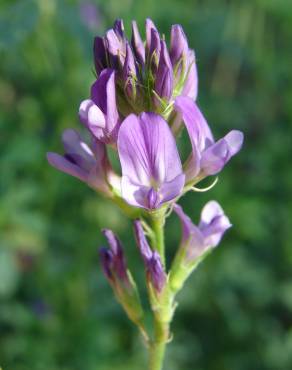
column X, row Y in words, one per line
column 56, row 310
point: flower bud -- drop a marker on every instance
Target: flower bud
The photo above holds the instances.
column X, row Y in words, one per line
column 149, row 77
column 197, row 241
column 115, row 269
column 154, row 269
column 164, row 75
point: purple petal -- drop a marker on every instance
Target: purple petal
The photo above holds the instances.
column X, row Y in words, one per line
column 77, row 149
column 191, row 84
column 192, row 237
column 99, row 52
column 164, row 75
column 106, row 258
column 116, row 47
column 178, row 44
column 149, row 159
column 142, row 242
column 196, row 240
column 217, row 155
column 119, row 28
column 156, row 272
column 154, row 50
column 151, row 258
column 89, row 164
column 198, row 130
column 129, row 71
column 149, row 25
column 138, row 44
column 118, row 259
column 92, row 117
column 66, row 166
column 103, row 94
column 213, row 223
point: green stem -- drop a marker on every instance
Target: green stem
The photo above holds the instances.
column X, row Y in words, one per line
column 157, row 223
column 158, row 345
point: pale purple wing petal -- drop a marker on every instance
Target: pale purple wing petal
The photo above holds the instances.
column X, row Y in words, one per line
column 217, row 155
column 77, row 148
column 66, row 166
column 213, row 223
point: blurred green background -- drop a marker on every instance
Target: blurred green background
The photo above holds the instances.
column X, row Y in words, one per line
column 57, row 311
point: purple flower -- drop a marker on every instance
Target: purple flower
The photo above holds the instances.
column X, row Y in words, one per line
column 152, row 260
column 149, row 75
column 99, row 114
column 87, row 163
column 208, row 157
column 151, row 168
column 197, row 240
column 113, row 260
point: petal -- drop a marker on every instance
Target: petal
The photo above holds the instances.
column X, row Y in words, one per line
column 129, row 71
column 211, row 210
column 164, row 75
column 119, row 28
column 217, row 155
column 191, row 83
column 66, row 166
column 142, row 242
column 93, row 118
column 213, row 223
column 106, row 260
column 149, row 25
column 135, row 194
column 178, row 44
column 198, row 130
column 103, row 94
column 190, row 232
column 148, row 155
column 156, row 272
column 151, row 258
column 234, row 140
column 137, row 43
column 115, row 44
column 99, row 52
column 118, row 259
column 75, row 146
column 171, row 189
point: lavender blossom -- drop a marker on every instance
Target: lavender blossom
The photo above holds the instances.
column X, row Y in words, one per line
column 116, row 271
column 88, row 163
column 113, row 260
column 197, row 240
column 208, row 157
column 149, row 76
column 99, row 114
column 152, row 260
column 151, row 168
